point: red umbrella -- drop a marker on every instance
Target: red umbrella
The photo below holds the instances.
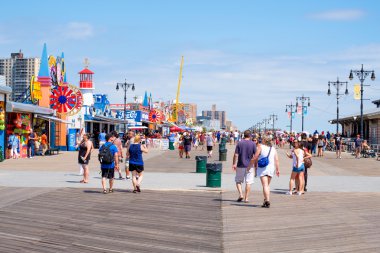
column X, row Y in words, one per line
column 176, row 129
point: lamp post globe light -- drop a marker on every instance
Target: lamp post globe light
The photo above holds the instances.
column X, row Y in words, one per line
column 273, row 117
column 291, row 111
column 303, row 99
column 125, row 86
column 337, row 85
column 362, row 75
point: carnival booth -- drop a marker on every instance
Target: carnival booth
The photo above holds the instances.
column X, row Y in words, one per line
column 20, row 121
column 4, row 92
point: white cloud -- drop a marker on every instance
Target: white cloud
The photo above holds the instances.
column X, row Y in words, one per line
column 339, row 15
column 78, row 30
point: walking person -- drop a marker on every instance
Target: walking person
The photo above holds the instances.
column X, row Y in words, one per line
column 202, row 139
column 44, row 142
column 306, row 145
column 13, row 144
column 338, row 146
column 267, row 170
column 180, row 146
column 109, row 159
column 102, row 138
column 187, row 140
column 130, row 139
column 244, row 153
column 136, row 163
column 298, row 155
column 32, row 138
column 117, row 142
column 209, row 144
column 84, row 156
column 320, row 146
column 358, row 146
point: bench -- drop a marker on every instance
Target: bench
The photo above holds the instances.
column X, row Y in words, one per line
column 51, row 151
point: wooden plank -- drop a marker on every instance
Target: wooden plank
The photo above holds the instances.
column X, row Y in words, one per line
column 76, row 220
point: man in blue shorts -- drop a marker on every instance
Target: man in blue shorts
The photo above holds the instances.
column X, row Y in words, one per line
column 108, row 169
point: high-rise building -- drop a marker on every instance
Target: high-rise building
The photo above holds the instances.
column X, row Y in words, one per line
column 216, row 115
column 191, row 111
column 18, row 71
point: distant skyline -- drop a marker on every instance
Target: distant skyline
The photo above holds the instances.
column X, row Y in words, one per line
column 250, row 58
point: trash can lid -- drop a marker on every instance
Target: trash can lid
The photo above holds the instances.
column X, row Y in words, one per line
column 214, row 166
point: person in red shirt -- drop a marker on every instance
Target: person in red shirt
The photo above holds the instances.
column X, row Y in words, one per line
column 44, row 142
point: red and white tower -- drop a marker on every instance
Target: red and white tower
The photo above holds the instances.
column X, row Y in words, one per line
column 86, row 86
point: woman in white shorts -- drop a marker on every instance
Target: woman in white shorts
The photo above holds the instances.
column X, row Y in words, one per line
column 266, row 173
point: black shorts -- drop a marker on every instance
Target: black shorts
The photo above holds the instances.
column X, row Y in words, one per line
column 209, row 148
column 108, row 173
column 187, row 148
column 138, row 168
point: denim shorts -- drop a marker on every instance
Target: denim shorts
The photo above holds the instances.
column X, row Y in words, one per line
column 300, row 169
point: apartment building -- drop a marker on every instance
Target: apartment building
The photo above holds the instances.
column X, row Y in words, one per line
column 18, row 71
column 216, row 115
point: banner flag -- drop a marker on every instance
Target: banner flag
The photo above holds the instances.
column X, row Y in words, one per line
column 305, row 110
column 293, row 115
column 357, row 91
column 289, row 114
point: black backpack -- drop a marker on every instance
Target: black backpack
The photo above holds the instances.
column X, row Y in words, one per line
column 105, row 155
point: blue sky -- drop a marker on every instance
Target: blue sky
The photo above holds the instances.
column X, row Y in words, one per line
column 251, row 58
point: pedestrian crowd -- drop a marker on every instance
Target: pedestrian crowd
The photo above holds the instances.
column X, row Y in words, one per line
column 113, row 159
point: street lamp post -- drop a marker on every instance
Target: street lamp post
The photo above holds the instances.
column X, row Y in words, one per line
column 273, row 117
column 291, row 106
column 362, row 74
column 125, row 87
column 303, row 99
column 265, row 125
column 337, row 85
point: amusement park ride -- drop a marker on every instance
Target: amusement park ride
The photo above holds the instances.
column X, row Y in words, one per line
column 178, row 114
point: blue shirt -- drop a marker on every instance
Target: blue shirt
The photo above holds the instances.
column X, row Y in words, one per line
column 13, row 141
column 114, row 150
column 102, row 137
column 245, row 149
column 135, row 154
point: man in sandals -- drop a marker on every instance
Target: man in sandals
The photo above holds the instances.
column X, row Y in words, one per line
column 245, row 150
column 108, row 168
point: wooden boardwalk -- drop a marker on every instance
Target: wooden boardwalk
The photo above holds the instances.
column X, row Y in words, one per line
column 74, row 220
column 315, row 222
column 77, row 220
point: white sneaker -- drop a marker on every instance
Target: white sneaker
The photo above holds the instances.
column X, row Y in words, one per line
column 289, row 193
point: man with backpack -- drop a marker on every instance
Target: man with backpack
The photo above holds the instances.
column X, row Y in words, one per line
column 109, row 160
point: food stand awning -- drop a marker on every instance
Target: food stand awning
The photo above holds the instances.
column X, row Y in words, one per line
column 27, row 108
column 52, row 118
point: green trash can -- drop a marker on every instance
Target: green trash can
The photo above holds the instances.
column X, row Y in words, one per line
column 1, row 154
column 201, row 164
column 222, row 146
column 223, row 155
column 171, row 145
column 214, row 175
column 223, row 140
